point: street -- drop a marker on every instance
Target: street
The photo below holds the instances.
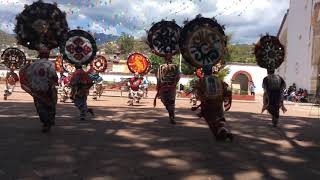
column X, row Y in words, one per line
column 122, row 142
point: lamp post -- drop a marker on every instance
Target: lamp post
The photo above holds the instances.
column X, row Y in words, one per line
column 180, row 61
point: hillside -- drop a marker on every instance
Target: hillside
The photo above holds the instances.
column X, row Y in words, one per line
column 102, row 38
column 241, row 53
column 8, row 40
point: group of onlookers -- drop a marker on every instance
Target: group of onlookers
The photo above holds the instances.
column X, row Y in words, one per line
column 296, row 95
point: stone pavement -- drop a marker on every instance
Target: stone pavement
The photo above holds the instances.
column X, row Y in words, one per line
column 137, row 142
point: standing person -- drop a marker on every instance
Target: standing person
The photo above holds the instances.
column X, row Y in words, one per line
column 80, row 85
column 252, row 88
column 39, row 79
column 145, row 83
column 11, row 79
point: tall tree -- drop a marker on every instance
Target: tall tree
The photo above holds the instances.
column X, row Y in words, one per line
column 126, row 43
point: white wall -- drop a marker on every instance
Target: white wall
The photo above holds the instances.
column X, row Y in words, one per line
column 256, row 72
column 297, row 68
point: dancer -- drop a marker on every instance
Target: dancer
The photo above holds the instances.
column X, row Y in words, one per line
column 270, row 54
column 139, row 65
column 11, row 79
column 13, row 59
column 65, row 88
column 80, row 85
column 40, row 27
column 97, row 85
column 80, row 81
column 135, row 89
column 163, row 38
column 97, row 66
column 201, row 51
column 168, row 76
column 39, row 79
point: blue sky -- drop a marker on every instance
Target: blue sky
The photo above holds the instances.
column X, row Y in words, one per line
column 245, row 19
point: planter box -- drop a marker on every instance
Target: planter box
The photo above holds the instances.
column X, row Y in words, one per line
column 184, row 95
column 243, row 97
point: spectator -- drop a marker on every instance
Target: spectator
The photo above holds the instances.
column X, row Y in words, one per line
column 181, row 89
column 292, row 96
column 146, row 83
column 294, row 87
column 252, row 88
column 304, row 96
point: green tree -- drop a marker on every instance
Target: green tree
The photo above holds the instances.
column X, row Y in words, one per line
column 186, row 68
column 155, row 62
column 126, row 43
column 223, row 73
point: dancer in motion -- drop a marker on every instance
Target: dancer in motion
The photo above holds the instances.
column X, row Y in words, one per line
column 97, row 66
column 163, row 39
column 215, row 98
column 13, row 58
column 139, row 65
column 270, row 54
column 97, row 85
column 11, row 79
column 201, row 51
column 135, row 89
column 40, row 79
column 168, row 76
column 41, row 26
column 80, row 81
column 80, row 85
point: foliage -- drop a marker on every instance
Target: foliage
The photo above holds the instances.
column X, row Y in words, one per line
column 223, row 73
column 242, row 53
column 155, row 62
column 126, row 43
column 109, row 47
column 186, row 69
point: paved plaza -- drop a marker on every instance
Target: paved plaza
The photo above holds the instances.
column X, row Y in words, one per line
column 138, row 143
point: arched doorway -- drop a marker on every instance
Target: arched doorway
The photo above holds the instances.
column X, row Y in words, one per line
column 240, row 82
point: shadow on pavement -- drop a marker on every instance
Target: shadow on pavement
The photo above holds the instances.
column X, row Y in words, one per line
column 139, row 143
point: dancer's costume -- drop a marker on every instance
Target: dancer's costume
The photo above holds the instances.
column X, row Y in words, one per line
column 11, row 79
column 13, row 58
column 203, row 45
column 41, row 27
column 80, row 85
column 193, row 85
column 98, row 65
column 139, row 65
column 39, row 79
column 80, row 49
column 270, row 55
column 63, row 66
column 163, row 39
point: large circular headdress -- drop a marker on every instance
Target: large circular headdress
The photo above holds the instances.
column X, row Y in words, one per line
column 68, row 67
column 13, row 58
column 163, row 38
column 99, row 64
column 203, row 42
column 41, row 25
column 79, row 47
column 138, row 63
column 269, row 52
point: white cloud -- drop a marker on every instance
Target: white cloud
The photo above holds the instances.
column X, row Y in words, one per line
column 246, row 19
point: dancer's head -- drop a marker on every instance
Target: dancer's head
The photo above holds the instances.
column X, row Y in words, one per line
column 44, row 53
column 270, row 71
